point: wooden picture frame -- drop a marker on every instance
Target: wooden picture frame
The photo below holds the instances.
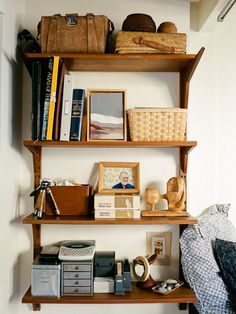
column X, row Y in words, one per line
column 111, row 174
column 106, row 115
column 159, row 243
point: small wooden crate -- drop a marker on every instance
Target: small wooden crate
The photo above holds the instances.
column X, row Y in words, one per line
column 157, row 124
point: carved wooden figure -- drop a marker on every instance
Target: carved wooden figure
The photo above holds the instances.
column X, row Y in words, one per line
column 176, row 194
column 151, row 197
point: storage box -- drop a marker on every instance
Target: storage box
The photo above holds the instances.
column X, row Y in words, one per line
column 71, row 200
column 157, row 124
column 45, row 280
column 103, row 285
column 104, row 264
column 145, row 42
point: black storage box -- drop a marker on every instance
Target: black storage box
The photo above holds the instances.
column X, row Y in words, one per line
column 104, row 264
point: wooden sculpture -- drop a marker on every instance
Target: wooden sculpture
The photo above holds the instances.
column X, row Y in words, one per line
column 145, row 280
column 176, row 194
column 151, row 197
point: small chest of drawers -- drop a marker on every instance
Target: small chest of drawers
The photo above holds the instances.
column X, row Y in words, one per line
column 77, row 278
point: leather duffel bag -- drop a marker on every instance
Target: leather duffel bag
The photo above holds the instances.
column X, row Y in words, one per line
column 74, row 34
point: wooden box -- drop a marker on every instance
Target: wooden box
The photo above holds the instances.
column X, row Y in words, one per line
column 71, row 200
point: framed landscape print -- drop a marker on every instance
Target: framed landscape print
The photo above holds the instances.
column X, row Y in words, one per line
column 106, row 115
column 118, row 177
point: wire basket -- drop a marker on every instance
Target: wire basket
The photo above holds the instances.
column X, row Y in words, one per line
column 157, row 124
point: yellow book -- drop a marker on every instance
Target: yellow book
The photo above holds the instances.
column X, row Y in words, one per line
column 53, row 92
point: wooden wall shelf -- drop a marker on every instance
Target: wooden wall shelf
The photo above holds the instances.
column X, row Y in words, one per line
column 127, row 144
column 122, row 62
column 84, row 220
column 181, row 295
column 183, row 64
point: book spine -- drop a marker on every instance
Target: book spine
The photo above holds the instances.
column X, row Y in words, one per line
column 47, row 99
column 58, row 107
column 66, row 109
column 53, row 92
column 77, row 114
column 36, row 100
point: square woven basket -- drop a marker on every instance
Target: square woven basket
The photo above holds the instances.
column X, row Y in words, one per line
column 157, row 124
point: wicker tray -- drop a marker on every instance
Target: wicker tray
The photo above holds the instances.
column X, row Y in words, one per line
column 157, row 124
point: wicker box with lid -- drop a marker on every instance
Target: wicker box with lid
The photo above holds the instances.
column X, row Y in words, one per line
column 157, row 124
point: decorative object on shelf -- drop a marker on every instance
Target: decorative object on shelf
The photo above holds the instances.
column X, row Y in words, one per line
column 167, row 286
column 139, row 22
column 176, row 194
column 159, row 243
column 144, row 280
column 157, row 124
column 151, row 197
column 145, row 42
column 74, row 34
column 118, row 177
column 43, row 189
column 106, row 115
column 167, row 27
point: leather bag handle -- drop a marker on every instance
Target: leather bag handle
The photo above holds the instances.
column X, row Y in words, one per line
column 143, row 42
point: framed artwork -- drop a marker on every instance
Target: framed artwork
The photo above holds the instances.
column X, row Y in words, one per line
column 118, row 177
column 159, row 243
column 106, row 115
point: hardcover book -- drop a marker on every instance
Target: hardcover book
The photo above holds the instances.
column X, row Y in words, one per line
column 77, row 114
column 113, row 213
column 102, row 201
column 38, row 70
column 58, row 106
column 53, row 94
column 47, row 98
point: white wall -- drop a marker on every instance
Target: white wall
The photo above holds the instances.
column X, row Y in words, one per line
column 210, row 94
column 10, row 158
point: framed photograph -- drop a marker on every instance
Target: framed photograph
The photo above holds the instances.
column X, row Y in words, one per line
column 106, row 115
column 159, row 243
column 118, row 177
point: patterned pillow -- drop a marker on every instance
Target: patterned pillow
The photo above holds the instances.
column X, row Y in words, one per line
column 225, row 254
column 199, row 265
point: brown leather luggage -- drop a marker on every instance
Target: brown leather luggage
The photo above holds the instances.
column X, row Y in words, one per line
column 75, row 34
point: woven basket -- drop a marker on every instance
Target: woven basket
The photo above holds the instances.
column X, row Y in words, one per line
column 144, row 42
column 157, row 124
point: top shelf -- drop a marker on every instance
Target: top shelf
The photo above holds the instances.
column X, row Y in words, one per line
column 124, row 62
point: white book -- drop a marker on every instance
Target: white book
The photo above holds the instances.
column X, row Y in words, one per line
column 117, row 213
column 122, row 201
column 66, row 108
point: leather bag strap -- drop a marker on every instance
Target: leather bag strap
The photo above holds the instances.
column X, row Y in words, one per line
column 143, row 42
column 91, row 34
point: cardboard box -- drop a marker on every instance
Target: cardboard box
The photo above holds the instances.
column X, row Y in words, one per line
column 71, row 200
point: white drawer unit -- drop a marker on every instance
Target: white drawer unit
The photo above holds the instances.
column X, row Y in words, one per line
column 77, row 278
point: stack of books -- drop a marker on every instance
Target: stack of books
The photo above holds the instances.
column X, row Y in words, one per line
column 116, row 206
column 57, row 108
